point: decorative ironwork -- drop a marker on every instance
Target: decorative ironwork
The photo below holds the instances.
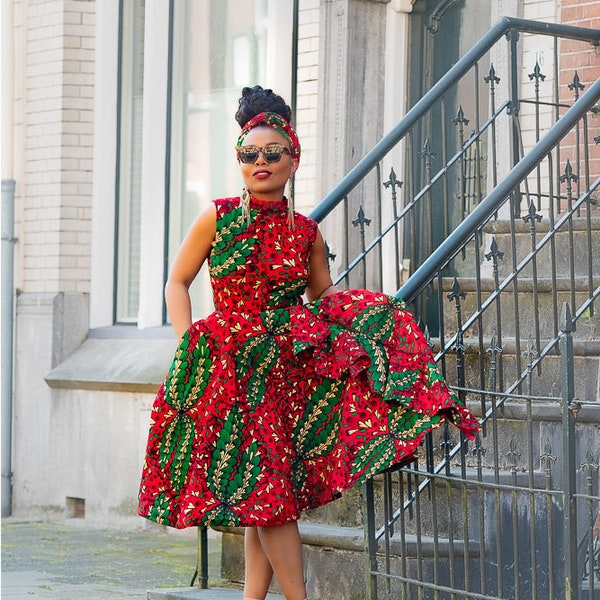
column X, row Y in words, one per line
column 548, row 459
column 393, row 182
column 576, row 86
column 538, row 76
column 505, row 529
column 329, row 256
column 513, row 455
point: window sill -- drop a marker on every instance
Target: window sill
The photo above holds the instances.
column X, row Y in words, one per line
column 121, row 359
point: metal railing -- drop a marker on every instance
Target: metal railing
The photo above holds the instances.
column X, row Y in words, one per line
column 495, row 219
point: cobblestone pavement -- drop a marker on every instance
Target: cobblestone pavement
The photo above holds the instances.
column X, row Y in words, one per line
column 68, row 560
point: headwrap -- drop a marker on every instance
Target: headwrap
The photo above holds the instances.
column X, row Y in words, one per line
column 277, row 122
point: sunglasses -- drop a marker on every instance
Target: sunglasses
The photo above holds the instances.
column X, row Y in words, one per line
column 272, row 153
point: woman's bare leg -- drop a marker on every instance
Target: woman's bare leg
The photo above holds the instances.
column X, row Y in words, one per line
column 258, row 570
column 283, row 549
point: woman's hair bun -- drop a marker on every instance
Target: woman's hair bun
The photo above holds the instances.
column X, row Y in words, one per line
column 256, row 99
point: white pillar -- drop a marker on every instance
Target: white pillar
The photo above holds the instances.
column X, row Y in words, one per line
column 156, row 54
column 104, row 167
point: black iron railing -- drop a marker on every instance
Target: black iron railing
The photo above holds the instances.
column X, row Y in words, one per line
column 496, row 222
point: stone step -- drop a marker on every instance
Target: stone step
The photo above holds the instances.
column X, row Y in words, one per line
column 535, row 308
column 544, row 382
column 343, row 512
column 501, row 231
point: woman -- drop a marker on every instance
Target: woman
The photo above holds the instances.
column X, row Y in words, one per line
column 273, row 406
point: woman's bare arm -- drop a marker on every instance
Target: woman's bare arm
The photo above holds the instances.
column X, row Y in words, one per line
column 319, row 282
column 190, row 257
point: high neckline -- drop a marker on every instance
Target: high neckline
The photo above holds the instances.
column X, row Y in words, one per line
column 269, row 205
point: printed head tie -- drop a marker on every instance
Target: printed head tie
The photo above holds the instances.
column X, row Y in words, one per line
column 277, row 122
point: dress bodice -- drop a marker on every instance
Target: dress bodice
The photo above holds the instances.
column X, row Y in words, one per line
column 259, row 262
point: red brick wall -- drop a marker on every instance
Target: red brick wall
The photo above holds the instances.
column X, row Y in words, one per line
column 585, row 60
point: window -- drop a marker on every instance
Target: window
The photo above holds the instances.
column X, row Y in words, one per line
column 182, row 66
column 129, row 161
column 219, row 47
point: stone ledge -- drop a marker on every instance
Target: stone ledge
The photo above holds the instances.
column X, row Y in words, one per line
column 318, row 534
column 134, row 364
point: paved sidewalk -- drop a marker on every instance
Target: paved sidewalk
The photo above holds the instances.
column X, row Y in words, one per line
column 70, row 560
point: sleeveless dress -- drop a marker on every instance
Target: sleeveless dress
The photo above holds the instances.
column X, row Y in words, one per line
column 272, row 406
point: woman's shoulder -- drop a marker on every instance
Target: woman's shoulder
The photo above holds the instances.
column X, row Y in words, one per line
column 306, row 223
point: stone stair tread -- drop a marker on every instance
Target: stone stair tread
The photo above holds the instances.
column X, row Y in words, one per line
column 334, row 536
column 190, row 593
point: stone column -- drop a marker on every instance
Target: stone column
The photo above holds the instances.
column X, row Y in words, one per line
column 351, row 100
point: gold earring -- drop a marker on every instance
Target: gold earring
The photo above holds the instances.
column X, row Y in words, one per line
column 245, row 204
column 291, row 203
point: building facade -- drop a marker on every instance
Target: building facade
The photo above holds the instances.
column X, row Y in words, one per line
column 117, row 128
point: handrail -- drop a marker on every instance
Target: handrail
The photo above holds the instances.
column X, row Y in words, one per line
column 494, row 200
column 368, row 162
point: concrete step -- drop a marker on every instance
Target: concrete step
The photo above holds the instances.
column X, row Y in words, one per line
column 501, row 231
column 535, row 307
column 544, row 382
column 198, row 594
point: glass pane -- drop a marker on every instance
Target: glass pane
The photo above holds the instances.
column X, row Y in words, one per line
column 131, row 84
column 220, row 46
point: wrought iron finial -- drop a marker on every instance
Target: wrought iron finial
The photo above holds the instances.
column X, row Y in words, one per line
column 460, row 118
column 427, row 335
column 494, row 252
column 576, row 86
column 530, row 353
column 513, row 455
column 361, row 220
column 568, row 174
column 478, row 449
column 590, row 464
column 393, row 181
column 426, row 152
column 532, row 216
column 491, row 76
column 329, row 255
column 446, row 444
column 494, row 348
column 537, row 74
column 566, row 320
column 547, row 457
column 456, row 292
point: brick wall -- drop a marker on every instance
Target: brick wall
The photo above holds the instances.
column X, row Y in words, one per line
column 583, row 59
column 537, row 49
column 56, row 86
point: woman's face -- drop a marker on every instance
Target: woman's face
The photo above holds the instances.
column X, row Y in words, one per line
column 265, row 180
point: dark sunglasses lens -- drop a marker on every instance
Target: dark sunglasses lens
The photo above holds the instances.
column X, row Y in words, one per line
column 272, row 153
column 247, row 154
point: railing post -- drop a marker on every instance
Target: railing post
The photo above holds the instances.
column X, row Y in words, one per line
column 202, row 559
column 513, row 110
column 370, row 541
column 569, row 409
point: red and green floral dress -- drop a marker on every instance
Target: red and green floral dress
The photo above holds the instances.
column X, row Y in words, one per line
column 272, row 406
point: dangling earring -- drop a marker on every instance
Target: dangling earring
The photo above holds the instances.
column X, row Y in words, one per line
column 291, row 203
column 245, row 204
